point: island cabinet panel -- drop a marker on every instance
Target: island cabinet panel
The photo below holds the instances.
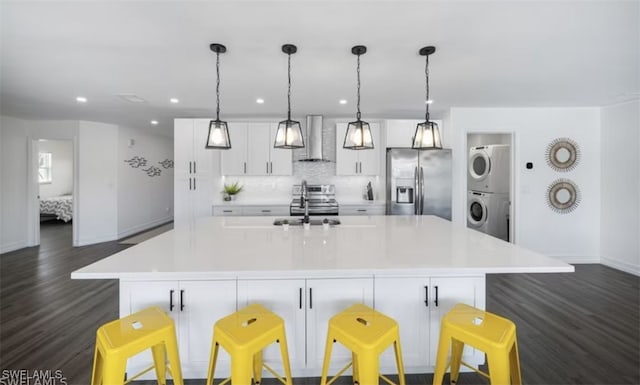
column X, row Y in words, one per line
column 326, row 298
column 286, row 298
column 194, row 305
column 357, row 162
column 306, row 307
column 418, row 304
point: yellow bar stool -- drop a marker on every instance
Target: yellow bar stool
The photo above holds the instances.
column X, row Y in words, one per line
column 492, row 334
column 367, row 333
column 118, row 340
column 244, row 334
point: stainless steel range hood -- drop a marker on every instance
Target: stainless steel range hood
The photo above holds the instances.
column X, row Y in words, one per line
column 313, row 139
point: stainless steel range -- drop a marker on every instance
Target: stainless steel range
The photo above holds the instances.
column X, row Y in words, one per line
column 320, row 199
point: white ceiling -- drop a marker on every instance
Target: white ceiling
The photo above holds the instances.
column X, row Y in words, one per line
column 489, row 54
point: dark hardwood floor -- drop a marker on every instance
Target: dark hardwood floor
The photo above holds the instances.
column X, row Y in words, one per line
column 580, row 328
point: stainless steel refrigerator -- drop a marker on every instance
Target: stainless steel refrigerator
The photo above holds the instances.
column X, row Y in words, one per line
column 419, row 182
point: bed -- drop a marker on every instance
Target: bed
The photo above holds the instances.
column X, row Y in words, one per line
column 61, row 207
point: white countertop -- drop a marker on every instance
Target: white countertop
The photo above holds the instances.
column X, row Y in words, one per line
column 251, row 247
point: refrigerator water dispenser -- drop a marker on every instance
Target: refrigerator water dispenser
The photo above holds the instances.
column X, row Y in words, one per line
column 404, row 194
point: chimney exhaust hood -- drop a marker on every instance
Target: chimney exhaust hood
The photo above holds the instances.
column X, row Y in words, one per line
column 314, row 140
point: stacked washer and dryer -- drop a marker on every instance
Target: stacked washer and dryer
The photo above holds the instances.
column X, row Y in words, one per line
column 488, row 181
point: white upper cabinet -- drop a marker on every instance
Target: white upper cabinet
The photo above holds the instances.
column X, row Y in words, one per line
column 400, row 133
column 252, row 151
column 357, row 162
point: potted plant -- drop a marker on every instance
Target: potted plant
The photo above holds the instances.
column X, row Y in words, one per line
column 230, row 190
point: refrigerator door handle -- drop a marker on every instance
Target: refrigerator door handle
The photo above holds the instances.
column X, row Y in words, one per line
column 416, row 194
column 421, row 190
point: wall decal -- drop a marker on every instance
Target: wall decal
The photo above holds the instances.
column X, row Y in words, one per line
column 563, row 154
column 563, row 196
column 137, row 162
column 167, row 163
column 153, row 171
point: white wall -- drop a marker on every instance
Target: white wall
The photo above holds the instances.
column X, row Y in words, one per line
column 97, row 175
column 16, row 135
column 620, row 188
column 143, row 201
column 574, row 237
column 61, row 167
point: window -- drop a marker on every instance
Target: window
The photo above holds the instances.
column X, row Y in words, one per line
column 44, row 167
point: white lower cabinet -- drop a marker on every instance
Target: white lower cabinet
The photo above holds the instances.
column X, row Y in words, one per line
column 194, row 305
column 306, row 306
column 418, row 304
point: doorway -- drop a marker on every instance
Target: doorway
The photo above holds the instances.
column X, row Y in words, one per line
column 490, row 184
column 53, row 186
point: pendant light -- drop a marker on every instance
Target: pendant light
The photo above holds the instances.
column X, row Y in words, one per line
column 218, row 137
column 358, row 135
column 427, row 135
column 289, row 134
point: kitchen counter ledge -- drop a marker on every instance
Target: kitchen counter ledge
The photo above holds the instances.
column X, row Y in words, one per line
column 252, row 247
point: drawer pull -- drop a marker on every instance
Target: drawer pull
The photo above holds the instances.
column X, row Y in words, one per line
column 227, row 211
column 266, row 211
column 362, row 210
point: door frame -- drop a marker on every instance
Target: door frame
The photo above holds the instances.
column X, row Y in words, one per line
column 33, row 190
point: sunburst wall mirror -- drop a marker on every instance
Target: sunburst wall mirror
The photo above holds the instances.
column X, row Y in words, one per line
column 563, row 196
column 563, row 154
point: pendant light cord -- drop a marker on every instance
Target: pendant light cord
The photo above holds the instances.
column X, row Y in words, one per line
column 289, row 88
column 358, row 72
column 218, row 86
column 426, row 73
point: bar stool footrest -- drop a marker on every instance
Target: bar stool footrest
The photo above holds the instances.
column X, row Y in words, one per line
column 334, row 378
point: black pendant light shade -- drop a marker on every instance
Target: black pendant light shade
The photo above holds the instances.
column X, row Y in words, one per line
column 218, row 137
column 358, row 135
column 289, row 134
column 427, row 135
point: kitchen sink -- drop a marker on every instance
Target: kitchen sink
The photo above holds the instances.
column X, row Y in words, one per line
column 313, row 222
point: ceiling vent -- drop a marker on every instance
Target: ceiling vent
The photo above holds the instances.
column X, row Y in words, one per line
column 130, row 98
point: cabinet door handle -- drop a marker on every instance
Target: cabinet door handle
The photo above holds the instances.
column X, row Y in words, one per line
column 310, row 298
column 270, row 167
column 190, row 188
column 436, row 300
column 171, row 299
column 245, row 167
column 426, row 296
column 356, row 167
column 300, row 299
column 190, row 167
column 194, row 183
column 194, row 167
column 181, row 300
column 267, row 164
column 360, row 165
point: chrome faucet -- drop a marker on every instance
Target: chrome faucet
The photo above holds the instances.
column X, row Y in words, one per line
column 304, row 200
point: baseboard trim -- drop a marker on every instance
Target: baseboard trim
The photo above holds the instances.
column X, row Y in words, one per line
column 13, row 246
column 143, row 227
column 624, row 266
column 571, row 259
column 93, row 240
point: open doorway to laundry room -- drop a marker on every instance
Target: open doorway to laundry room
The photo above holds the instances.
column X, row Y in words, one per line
column 490, row 184
column 52, row 185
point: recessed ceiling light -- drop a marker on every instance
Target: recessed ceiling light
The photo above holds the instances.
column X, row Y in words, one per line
column 154, row 122
column 260, row 101
column 343, row 101
column 81, row 99
column 428, row 101
column 174, row 100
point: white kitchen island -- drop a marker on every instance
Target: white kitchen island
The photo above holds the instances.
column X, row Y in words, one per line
column 412, row 268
